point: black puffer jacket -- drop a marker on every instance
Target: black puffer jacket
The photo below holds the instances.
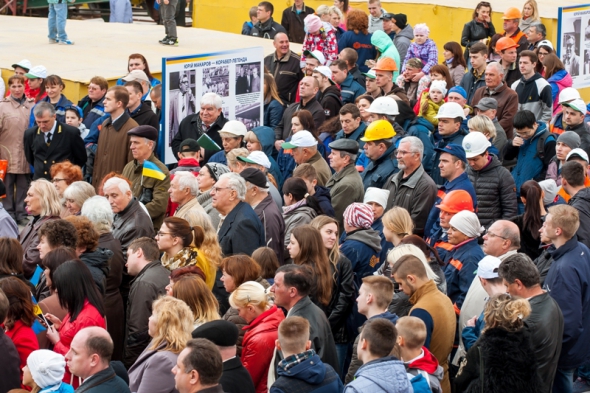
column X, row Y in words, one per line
column 495, row 191
column 509, row 364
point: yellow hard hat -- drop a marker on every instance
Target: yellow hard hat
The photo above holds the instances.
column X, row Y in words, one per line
column 377, row 130
column 512, row 13
column 386, row 64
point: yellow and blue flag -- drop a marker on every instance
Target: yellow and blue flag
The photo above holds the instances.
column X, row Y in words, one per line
column 151, row 170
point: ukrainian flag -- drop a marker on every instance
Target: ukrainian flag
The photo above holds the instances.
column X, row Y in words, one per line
column 151, row 170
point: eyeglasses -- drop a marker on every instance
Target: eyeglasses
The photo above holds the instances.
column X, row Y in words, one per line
column 160, row 233
column 215, row 189
column 493, row 235
column 403, row 152
column 56, row 180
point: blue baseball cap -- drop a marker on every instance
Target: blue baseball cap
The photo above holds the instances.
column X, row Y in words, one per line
column 460, row 90
column 453, row 149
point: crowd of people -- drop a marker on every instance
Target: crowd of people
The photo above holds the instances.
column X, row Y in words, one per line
column 395, row 225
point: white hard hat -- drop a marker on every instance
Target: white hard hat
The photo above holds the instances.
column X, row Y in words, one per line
column 234, row 127
column 475, row 143
column 568, row 94
column 384, row 106
column 450, row 110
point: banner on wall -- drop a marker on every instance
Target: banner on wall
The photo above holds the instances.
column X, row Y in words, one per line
column 573, row 42
column 235, row 75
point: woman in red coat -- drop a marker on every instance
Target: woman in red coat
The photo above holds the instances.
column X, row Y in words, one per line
column 20, row 318
column 78, row 293
column 263, row 321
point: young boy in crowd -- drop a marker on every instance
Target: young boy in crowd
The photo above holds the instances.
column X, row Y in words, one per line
column 74, row 118
column 416, row 357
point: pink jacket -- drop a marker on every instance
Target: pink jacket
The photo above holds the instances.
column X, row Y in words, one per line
column 328, row 46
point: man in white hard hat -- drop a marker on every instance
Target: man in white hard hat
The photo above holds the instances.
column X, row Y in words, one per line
column 232, row 137
column 494, row 186
column 450, row 117
column 566, row 95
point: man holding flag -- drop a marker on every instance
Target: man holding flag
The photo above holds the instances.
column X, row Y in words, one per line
column 149, row 177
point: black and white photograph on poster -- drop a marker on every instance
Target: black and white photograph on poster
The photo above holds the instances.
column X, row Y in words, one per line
column 216, row 80
column 182, row 100
column 248, row 78
column 186, row 79
column 587, row 61
column 249, row 114
column 571, row 46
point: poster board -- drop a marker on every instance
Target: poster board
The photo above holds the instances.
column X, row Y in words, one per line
column 235, row 75
column 573, row 42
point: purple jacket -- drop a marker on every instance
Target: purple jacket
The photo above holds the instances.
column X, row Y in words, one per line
column 426, row 52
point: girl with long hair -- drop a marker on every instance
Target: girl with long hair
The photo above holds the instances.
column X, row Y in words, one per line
column 455, row 61
column 139, row 62
column 556, row 75
column 532, row 220
column 192, row 290
column 530, row 15
column 170, row 327
column 273, row 105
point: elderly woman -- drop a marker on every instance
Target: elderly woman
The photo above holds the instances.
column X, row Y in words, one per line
column 170, row 327
column 98, row 211
column 14, row 120
column 62, row 175
column 235, row 165
column 43, row 203
column 75, row 195
column 208, row 176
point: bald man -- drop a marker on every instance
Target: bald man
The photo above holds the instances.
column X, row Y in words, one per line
column 284, row 65
column 89, row 356
column 501, row 240
column 308, row 89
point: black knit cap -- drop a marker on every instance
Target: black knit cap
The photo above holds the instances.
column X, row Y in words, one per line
column 221, row 333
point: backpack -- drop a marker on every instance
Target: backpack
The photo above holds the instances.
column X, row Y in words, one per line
column 541, row 149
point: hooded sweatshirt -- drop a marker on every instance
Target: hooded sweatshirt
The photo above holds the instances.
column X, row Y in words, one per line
column 402, row 41
column 266, row 137
column 310, row 375
column 386, row 375
column 427, row 366
column 534, row 94
column 559, row 81
column 362, row 247
column 385, row 46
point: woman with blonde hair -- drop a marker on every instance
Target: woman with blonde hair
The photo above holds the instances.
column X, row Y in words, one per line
column 170, row 327
column 530, row 16
column 492, row 130
column 273, row 105
column 253, row 304
column 506, row 350
column 192, row 290
column 75, row 195
column 235, row 165
column 44, row 204
column 175, row 238
column 397, row 224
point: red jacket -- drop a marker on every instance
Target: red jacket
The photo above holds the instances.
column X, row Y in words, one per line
column 25, row 341
column 259, row 344
column 89, row 316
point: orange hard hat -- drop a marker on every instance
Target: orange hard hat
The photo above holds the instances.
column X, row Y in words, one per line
column 512, row 13
column 386, row 64
column 505, row 43
column 456, row 201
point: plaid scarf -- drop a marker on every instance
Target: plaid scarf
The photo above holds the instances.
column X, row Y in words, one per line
column 293, row 360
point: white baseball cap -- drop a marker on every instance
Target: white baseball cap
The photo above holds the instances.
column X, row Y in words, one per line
column 325, row 71
column 136, row 75
column 488, row 267
column 578, row 105
column 316, row 54
column 578, row 152
column 545, row 43
column 37, row 72
column 257, row 157
column 377, row 195
column 475, row 143
column 24, row 64
column 450, row 110
column 568, row 94
column 234, row 127
column 300, row 139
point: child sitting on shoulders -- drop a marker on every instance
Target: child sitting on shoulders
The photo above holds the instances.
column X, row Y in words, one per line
column 422, row 367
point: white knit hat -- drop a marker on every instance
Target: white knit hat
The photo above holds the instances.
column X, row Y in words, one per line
column 377, row 195
column 467, row 223
column 47, row 367
column 439, row 86
column 550, row 188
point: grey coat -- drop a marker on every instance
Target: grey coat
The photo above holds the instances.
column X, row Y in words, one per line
column 345, row 187
column 416, row 195
column 299, row 216
column 151, row 371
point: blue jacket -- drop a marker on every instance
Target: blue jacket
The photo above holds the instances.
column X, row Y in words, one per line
column 470, row 334
column 378, row 171
column 385, row 245
column 273, row 113
column 355, row 136
column 153, row 82
column 456, row 138
column 529, row 165
column 266, row 137
column 462, row 182
column 219, row 157
column 385, row 375
column 423, row 129
column 350, row 90
column 63, row 388
column 60, row 110
column 241, row 231
column 362, row 44
column 568, row 284
column 310, row 376
column 363, row 248
column 439, row 240
column 460, row 270
column 92, row 136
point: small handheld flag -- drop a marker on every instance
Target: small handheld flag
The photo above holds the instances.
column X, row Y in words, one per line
column 151, row 170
